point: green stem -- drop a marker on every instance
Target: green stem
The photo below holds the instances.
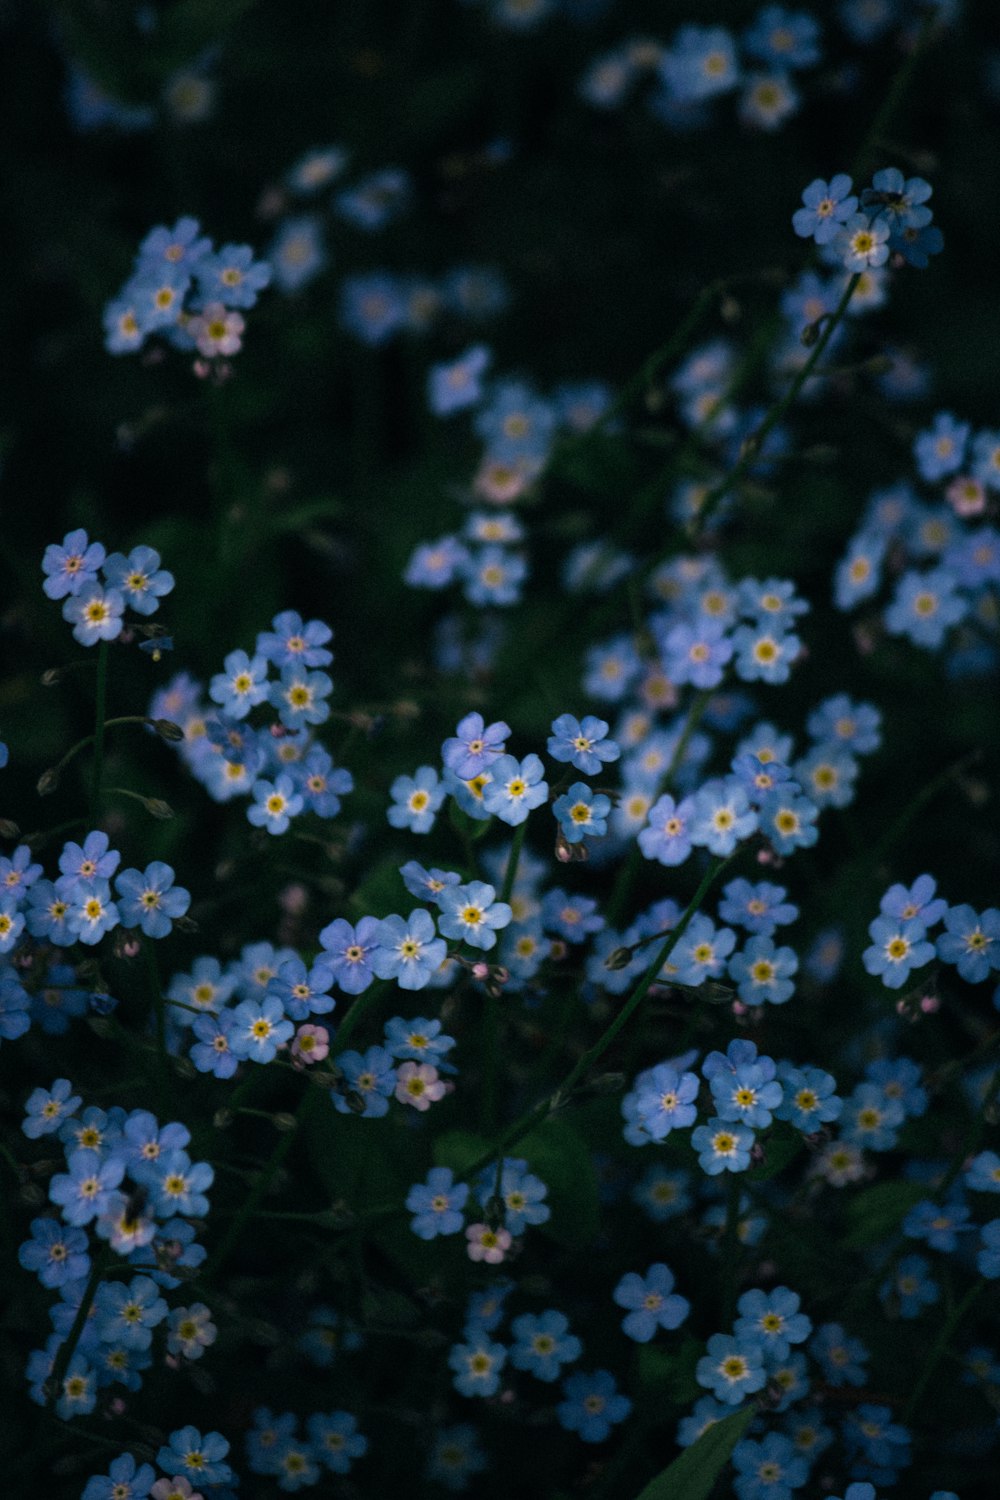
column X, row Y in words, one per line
column 513, row 860
column 752, row 450
column 925, row 795
column 730, row 1249
column 100, row 710
column 940, row 1347
column 630, row 869
column 355, row 1015
column 893, row 99
column 65, row 1352
column 309, row 1101
column 159, row 1009
column 538, row 1112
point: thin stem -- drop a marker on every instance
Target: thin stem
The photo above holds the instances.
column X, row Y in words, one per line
column 100, row 710
column 355, row 1015
column 513, row 860
column 538, row 1112
column 940, row 1346
column 925, row 795
column 261, row 1183
column 630, row 869
column 730, row 1249
column 756, row 442
column 159, row 1009
column 65, row 1352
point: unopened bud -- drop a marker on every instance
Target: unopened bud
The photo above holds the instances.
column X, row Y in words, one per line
column 620, row 958
column 185, row 924
column 606, row 1083
column 52, row 677
column 495, row 1212
column 157, row 808
column 284, row 1122
column 223, row 1119
column 101, row 1026
column 9, row 829
column 47, row 782
column 168, row 730
column 355, row 1102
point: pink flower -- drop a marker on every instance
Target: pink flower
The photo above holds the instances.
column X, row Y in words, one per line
column 419, row 1084
column 311, row 1045
column 216, row 330
column 490, row 1245
column 177, row 1488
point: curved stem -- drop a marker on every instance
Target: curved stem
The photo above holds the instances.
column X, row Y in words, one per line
column 100, row 709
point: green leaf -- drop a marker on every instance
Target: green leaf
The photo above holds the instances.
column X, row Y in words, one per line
column 877, row 1211
column 458, row 1149
column 692, row 1475
column 557, row 1152
column 783, row 1145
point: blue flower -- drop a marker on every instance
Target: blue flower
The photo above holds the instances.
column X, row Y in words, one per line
column 231, row 276
column 988, row 1259
column 787, row 819
column 471, row 914
column 336, row 1440
column 939, row 1225
column 303, row 992
column 982, row 1175
column 93, row 860
column 662, row 1100
column 408, row 951
column 913, row 903
column 83, row 1192
column 722, row 816
column 349, row 952
column 458, row 385
column 763, row 972
column 971, row 942
column 747, row 1093
column 95, row 614
column 71, row 566
column 455, row 1457
column 764, row 653
column 591, row 1405
column 123, row 1481
column 494, row 576
column 827, row 207
column 196, row 1457
column 176, row 1184
column 871, row 1119
column 769, row 1469
column 475, row 746
column 150, row 900
column 139, row 578
column 667, row 836
column 732, row 1368
column 521, row 1193
column 786, row 39
column 259, row 1028
column 515, row 788
column 773, row 1320
column 127, row 1315
column 760, row 908
column 299, row 696
column 924, row 606
column 651, row 1303
column 56, row 1254
column 862, row 243
column 701, row 953
column 477, row 1366
column 418, row 1040
column 437, row 1204
column 543, row 1344
column 46, row 1109
column 275, row 804
column 810, row 1098
column 212, row 1052
column 416, row 800
column 722, row 1147
column 241, row 686
column 582, row 813
column 291, row 641
column 911, row 1286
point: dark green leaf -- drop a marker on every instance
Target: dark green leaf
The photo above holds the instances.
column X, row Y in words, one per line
column 692, row 1475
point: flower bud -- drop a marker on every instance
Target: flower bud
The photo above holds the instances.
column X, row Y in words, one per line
column 168, row 730
column 48, row 782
